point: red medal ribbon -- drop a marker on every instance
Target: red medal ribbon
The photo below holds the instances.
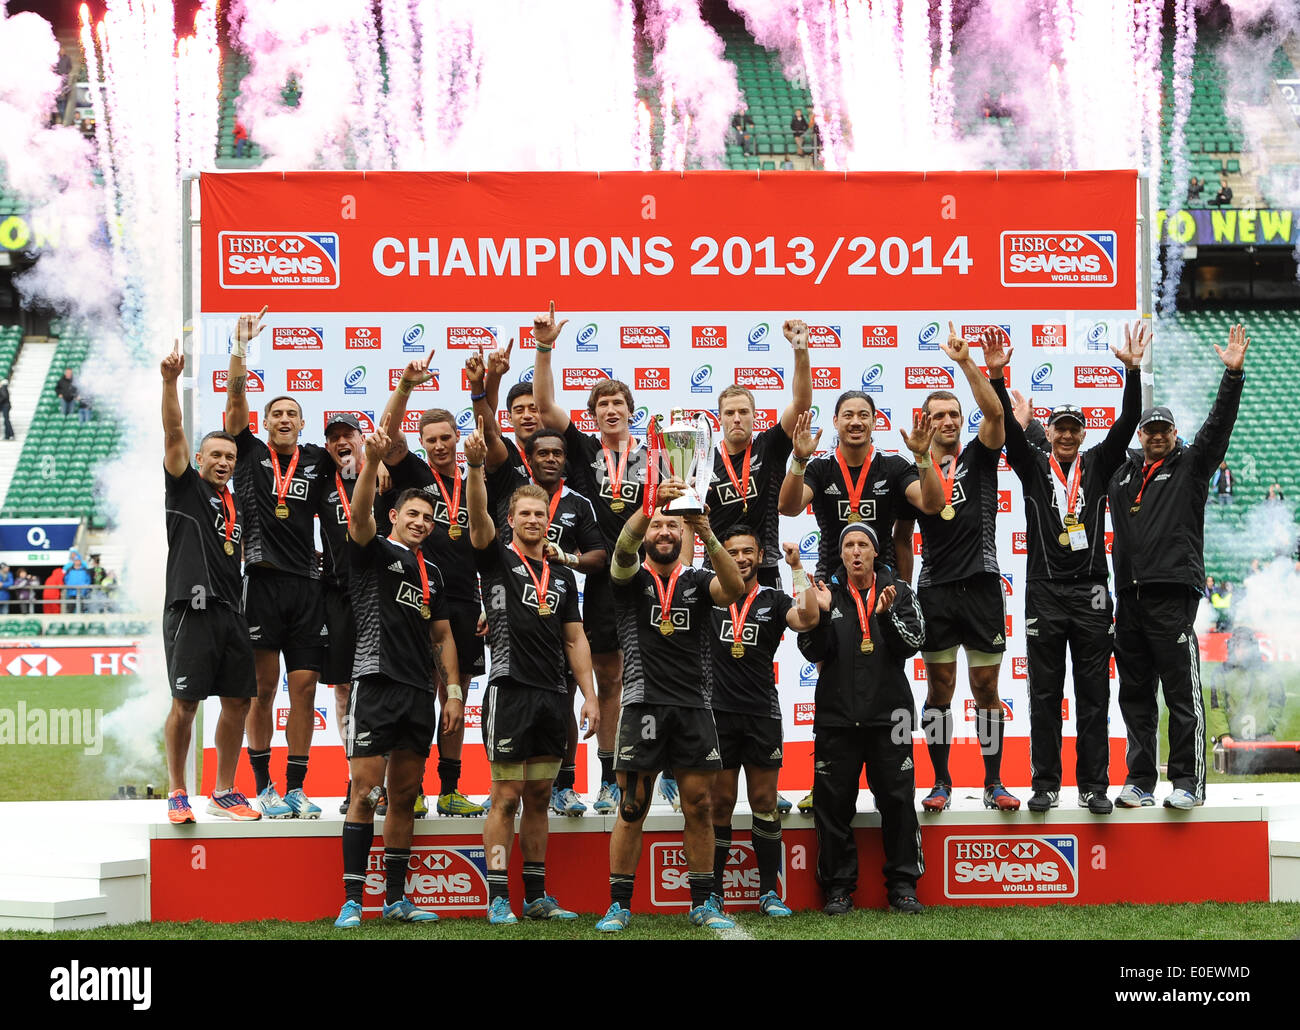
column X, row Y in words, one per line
column 555, row 503
column 541, row 584
column 1072, row 487
column 282, row 482
column 855, row 489
column 946, row 482
column 228, row 506
column 524, row 458
column 1147, row 472
column 665, row 595
column 864, row 617
column 656, row 443
column 616, row 475
column 738, row 621
column 742, row 484
column 452, row 502
column 419, row 565
column 343, row 497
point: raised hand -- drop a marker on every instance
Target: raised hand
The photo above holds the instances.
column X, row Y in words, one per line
column 475, row 366
column 699, row 524
column 796, row 331
column 383, row 480
column 1136, row 339
column 1022, row 407
column 918, row 440
column 823, row 595
column 416, row 373
column 996, row 352
column 955, row 346
column 885, row 599
column 805, row 444
column 551, row 551
column 377, row 443
column 498, row 362
column 249, row 327
column 545, row 331
column 174, row 364
column 669, row 490
column 792, row 556
column 475, row 445
column 1235, row 356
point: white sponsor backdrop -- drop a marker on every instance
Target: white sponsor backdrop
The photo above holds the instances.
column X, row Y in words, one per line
column 332, row 362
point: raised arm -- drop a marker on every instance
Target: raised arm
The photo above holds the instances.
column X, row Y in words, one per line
column 247, row 329
column 926, row 494
column 546, row 332
column 1211, row 443
column 483, row 394
column 1114, row 447
column 728, row 584
column 796, row 331
column 176, row 449
column 482, row 530
column 361, row 524
column 805, row 613
column 795, row 493
column 416, row 373
column 992, row 432
column 1019, row 455
column 624, row 564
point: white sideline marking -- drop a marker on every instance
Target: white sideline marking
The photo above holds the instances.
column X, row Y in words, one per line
column 738, row 933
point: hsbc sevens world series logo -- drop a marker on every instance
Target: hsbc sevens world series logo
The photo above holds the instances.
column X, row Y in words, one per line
column 255, row 260
column 1041, row 257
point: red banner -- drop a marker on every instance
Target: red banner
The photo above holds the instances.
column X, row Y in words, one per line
column 445, row 241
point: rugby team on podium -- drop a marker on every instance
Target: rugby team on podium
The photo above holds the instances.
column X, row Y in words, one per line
column 674, row 662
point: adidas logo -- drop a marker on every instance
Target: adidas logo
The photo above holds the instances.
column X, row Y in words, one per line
column 1182, row 638
column 998, row 639
column 774, row 755
column 907, row 764
column 324, row 631
column 713, row 756
column 832, row 490
column 395, row 567
column 836, row 613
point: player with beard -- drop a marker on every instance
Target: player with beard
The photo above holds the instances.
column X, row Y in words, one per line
column 664, row 616
column 404, row 640
column 280, row 486
column 448, row 547
column 535, row 633
column 747, row 711
column 608, row 468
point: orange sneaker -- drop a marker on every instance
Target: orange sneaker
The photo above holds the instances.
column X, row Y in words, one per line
column 178, row 807
column 233, row 805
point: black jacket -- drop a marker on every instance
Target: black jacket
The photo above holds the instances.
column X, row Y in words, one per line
column 1164, row 542
column 856, row 689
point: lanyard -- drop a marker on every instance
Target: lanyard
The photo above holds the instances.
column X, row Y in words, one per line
column 343, row 498
column 1067, row 494
column 855, row 489
column 228, row 506
column 616, row 475
column 282, row 482
column 452, row 502
column 864, row 617
column 947, row 483
column 738, row 623
column 665, row 597
column 742, row 484
column 1147, row 472
column 425, row 611
column 543, row 607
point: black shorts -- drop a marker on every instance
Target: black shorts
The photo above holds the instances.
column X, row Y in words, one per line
column 286, row 613
column 749, row 740
column 520, row 723
column 654, row 737
column 598, row 613
column 384, row 716
column 463, row 616
column 970, row 612
column 208, row 653
column 342, row 644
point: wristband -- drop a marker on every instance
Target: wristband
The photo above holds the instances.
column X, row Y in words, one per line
column 801, row 582
column 923, row 462
column 454, row 693
column 712, row 545
column 477, row 396
column 403, row 388
column 798, row 466
column 238, row 347
column 572, row 559
column 544, row 348
column 470, row 464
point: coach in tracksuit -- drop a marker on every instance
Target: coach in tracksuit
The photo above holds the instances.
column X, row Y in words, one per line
column 1157, row 503
column 870, row 625
column 1067, row 600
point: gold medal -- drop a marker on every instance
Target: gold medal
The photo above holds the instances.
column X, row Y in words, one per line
column 1065, row 539
column 1135, row 509
column 282, row 510
column 854, row 517
column 866, row 647
column 947, row 513
column 426, row 612
column 543, row 609
column 229, row 547
column 666, row 628
column 616, row 505
column 453, row 532
column 737, row 650
column 1071, row 520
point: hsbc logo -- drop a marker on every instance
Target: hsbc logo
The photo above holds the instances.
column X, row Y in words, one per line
column 974, row 334
column 1058, row 258
column 36, row 664
column 317, row 720
column 1019, row 667
column 823, row 336
column 1004, row 502
column 710, row 416
column 1098, row 376
column 584, row 378
column 932, row 377
column 527, row 341
column 709, row 337
column 918, row 670
column 969, row 708
column 395, row 376
column 362, row 337
column 651, row 337
column 651, row 378
column 297, row 338
column 256, row 381
column 1011, row 866
column 1047, row 334
column 296, row 379
column 1110, row 543
column 1019, row 542
column 883, row 420
column 411, row 421
column 582, row 418
column 474, row 716
column 278, row 260
column 764, row 418
column 366, row 418
column 805, row 713
column 880, row 336
column 1098, row 418
column 758, row 378
column 467, row 337
column 825, row 378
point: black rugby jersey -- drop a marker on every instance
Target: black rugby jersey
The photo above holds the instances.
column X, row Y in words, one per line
column 197, row 563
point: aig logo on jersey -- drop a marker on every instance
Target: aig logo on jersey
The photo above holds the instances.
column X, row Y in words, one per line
column 299, row 337
column 408, row 595
column 748, row 632
column 1041, row 258
column 296, row 379
column 1010, row 867
column 680, row 617
column 453, row 879
column 279, row 260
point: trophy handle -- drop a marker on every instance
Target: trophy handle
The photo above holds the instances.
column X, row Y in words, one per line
column 703, row 456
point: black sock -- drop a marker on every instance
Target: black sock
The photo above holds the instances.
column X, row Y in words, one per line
column 701, row 887
column 766, row 835
column 564, row 779
column 721, row 849
column 621, row 886
column 606, row 766
column 295, row 772
column 449, row 775
column 396, row 862
column 936, row 724
column 357, row 838
column 261, row 763
column 498, row 885
column 668, row 775
column 534, row 880
column 988, row 731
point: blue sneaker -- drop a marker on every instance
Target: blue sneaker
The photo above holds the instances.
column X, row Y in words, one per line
column 614, row 920
column 349, row 916
column 1184, row 800
column 499, row 913
column 669, row 792
column 300, row 805
column 546, row 907
column 608, row 799
column 567, row 802
column 271, row 805
column 783, row 805
column 1133, row 796
column 770, row 905
column 999, row 798
column 487, row 804
column 404, row 911
column 708, row 916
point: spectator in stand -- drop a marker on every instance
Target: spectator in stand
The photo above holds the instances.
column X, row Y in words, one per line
column 78, row 579
column 6, row 581
column 1209, row 587
column 25, row 594
column 241, row 139
column 67, row 391
column 1224, row 197
column 743, row 123
column 97, row 575
column 1221, row 602
column 1223, row 483
column 798, row 126
column 1275, row 493
column 52, row 595
column 4, row 408
column 1194, row 190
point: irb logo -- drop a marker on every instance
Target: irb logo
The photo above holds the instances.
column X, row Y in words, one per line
column 880, row 336
column 757, row 338
column 759, row 378
column 278, row 260
column 1062, row 258
column 873, row 378
column 928, row 337
column 1010, row 866
column 809, row 545
column 297, row 337
column 644, row 337
column 354, row 380
column 709, row 337
column 586, row 338
column 1047, row 334
column 584, row 378
column 700, row 379
column 395, row 376
column 256, row 382
column 823, row 336
column 467, row 337
column 651, row 379
column 808, row 675
column 825, row 378
column 362, row 337
column 296, row 379
column 1040, row 379
column 1098, row 336
column 1098, row 376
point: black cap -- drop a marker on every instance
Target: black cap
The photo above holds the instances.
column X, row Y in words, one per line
column 1157, row 414
column 344, row 418
column 1066, row 411
column 859, row 527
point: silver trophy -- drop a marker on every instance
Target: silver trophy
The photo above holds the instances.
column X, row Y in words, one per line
column 688, row 447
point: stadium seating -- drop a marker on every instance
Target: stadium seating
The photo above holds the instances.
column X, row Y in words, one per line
column 10, row 337
column 770, row 97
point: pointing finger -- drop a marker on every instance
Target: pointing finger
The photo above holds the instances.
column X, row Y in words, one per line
column 510, row 346
column 552, row 311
